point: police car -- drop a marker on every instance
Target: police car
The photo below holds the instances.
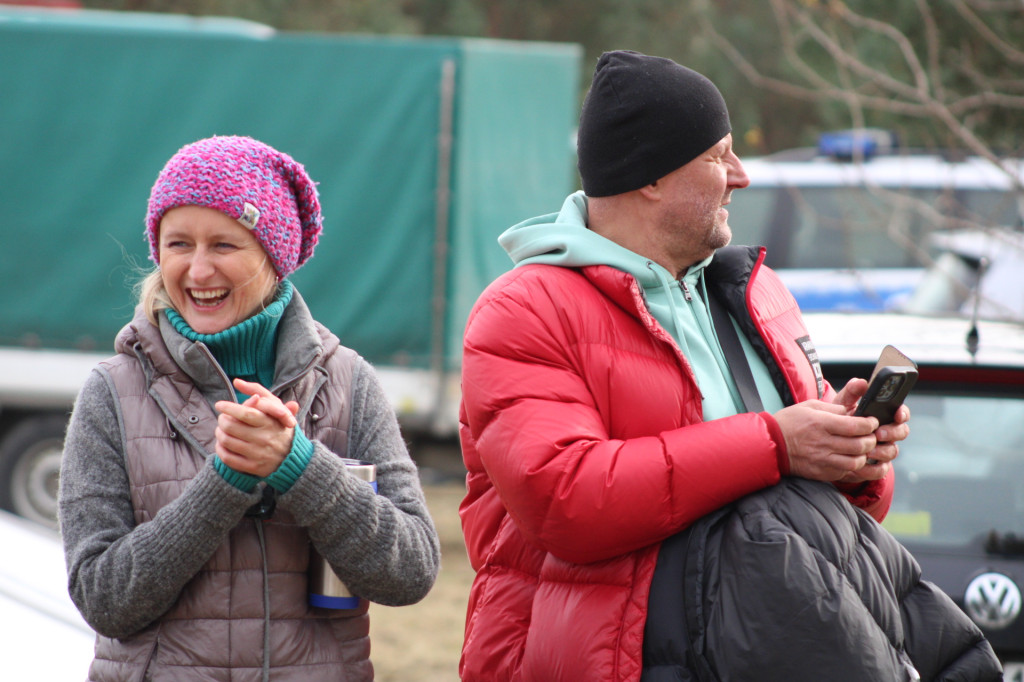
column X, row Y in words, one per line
column 848, row 224
column 959, row 499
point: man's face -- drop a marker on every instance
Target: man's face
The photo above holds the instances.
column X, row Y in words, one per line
column 693, row 218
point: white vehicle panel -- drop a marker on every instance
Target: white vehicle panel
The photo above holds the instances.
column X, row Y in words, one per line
column 42, row 635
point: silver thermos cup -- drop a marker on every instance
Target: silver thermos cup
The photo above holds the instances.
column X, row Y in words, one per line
column 325, row 588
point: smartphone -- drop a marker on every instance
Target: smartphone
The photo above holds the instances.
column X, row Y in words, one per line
column 886, row 391
column 891, row 380
column 893, row 377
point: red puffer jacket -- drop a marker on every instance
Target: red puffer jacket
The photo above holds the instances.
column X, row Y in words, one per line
column 585, row 448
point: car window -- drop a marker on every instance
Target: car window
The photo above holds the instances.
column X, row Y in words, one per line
column 995, row 209
column 853, row 228
column 960, row 475
column 828, row 227
column 859, row 227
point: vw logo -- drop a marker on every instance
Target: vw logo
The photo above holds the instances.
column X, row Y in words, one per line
column 992, row 600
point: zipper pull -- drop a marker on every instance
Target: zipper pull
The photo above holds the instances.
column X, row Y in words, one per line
column 686, row 291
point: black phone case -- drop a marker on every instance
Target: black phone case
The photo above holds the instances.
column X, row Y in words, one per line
column 888, row 388
column 890, row 361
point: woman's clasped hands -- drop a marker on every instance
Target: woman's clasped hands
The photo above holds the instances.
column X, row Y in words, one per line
column 255, row 436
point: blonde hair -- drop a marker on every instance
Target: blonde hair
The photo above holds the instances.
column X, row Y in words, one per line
column 152, row 295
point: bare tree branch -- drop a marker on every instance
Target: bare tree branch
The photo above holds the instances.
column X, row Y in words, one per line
column 997, row 5
column 854, row 63
column 1009, row 52
column 933, row 43
column 863, row 85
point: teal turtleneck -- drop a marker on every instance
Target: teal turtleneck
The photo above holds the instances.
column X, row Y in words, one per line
column 248, row 350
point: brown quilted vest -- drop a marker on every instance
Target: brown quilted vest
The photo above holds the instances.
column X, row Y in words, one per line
column 216, row 629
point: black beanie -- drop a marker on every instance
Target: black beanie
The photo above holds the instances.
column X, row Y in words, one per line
column 643, row 118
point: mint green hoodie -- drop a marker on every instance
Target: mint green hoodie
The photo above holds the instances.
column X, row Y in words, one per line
column 563, row 239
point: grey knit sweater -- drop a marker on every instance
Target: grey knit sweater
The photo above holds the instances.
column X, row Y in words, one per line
column 123, row 575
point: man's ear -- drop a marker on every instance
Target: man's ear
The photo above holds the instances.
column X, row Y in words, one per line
column 651, row 192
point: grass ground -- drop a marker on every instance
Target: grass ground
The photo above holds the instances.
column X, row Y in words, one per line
column 421, row 643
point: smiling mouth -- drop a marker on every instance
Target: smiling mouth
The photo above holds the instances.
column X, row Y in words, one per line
column 207, row 298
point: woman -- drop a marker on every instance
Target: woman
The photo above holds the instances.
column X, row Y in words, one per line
column 205, row 459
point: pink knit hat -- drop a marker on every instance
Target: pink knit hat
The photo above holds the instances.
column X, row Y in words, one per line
column 265, row 190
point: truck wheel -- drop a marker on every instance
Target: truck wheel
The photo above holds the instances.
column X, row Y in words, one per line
column 30, row 457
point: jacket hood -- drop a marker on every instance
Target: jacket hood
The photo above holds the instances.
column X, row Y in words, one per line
column 563, row 239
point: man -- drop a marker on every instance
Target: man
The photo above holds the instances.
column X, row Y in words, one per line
column 600, row 415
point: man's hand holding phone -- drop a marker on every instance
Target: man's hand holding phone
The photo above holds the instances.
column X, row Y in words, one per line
column 838, row 448
column 893, row 377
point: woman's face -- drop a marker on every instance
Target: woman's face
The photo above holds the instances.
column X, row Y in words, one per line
column 214, row 270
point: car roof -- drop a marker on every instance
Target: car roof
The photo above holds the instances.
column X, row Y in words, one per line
column 896, row 170
column 851, row 337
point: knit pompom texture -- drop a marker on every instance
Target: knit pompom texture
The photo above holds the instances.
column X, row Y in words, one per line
column 265, row 190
